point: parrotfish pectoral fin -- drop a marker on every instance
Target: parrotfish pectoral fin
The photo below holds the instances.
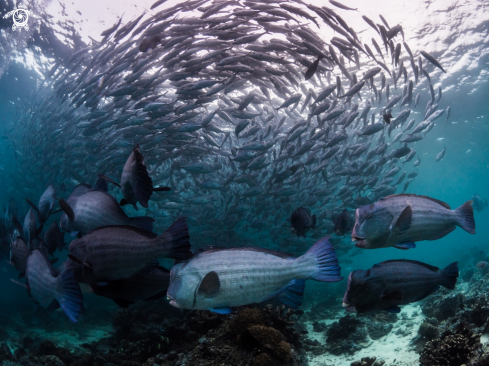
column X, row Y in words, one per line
column 327, row 264
column 292, row 294
column 403, row 222
column 405, row 246
column 222, row 311
column 393, row 309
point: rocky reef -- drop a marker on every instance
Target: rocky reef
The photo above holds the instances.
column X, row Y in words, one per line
column 157, row 334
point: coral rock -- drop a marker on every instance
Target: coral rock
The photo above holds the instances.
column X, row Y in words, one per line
column 428, row 330
column 453, row 348
column 283, row 350
column 262, row 360
column 246, row 318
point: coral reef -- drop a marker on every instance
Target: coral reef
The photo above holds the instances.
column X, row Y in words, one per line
column 368, row 361
column 454, row 348
column 347, row 335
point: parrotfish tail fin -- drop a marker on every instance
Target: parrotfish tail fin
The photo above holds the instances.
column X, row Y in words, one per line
column 314, row 221
column 466, row 215
column 327, row 269
column 293, row 294
column 449, row 275
column 143, row 222
column 144, row 185
column 69, row 295
column 177, row 239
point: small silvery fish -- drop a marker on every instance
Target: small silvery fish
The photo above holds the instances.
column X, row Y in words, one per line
column 219, row 279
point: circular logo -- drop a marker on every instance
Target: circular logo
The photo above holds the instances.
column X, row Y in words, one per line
column 20, row 18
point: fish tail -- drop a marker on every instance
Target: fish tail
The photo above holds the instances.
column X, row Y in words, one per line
column 449, row 275
column 69, row 295
column 143, row 222
column 176, row 239
column 327, row 268
column 466, row 216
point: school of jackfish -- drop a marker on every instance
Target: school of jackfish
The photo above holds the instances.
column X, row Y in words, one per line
column 226, row 117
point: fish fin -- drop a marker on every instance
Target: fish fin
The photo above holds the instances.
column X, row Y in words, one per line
column 101, row 183
column 292, row 294
column 53, row 260
column 403, row 222
column 123, row 303
column 405, row 246
column 69, row 295
column 53, row 306
column 396, row 296
column 75, row 259
column 74, row 233
column 18, row 283
column 393, row 309
column 313, row 221
column 32, row 205
column 428, row 293
column 21, row 275
column 67, row 209
column 18, row 225
column 449, row 275
column 123, row 202
column 161, row 189
column 222, row 311
column 466, row 214
column 327, row 269
column 56, row 211
column 144, row 185
column 143, row 222
column 442, row 233
column 210, row 285
column 177, row 238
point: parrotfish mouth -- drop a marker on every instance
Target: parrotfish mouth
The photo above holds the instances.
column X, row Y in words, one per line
column 350, row 308
column 359, row 242
column 172, row 301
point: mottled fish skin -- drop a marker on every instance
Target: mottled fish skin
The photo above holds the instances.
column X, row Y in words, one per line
column 246, row 276
column 118, row 252
column 375, row 224
column 96, row 209
column 395, row 282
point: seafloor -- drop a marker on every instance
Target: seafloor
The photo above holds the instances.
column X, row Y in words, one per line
column 449, row 328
